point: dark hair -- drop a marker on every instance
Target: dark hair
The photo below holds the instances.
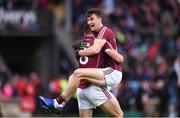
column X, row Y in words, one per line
column 87, row 29
column 95, row 11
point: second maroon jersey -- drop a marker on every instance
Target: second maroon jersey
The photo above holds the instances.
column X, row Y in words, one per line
column 88, row 61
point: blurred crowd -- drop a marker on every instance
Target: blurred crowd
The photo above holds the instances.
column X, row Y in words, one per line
column 27, row 4
column 148, row 36
column 26, row 15
column 21, row 88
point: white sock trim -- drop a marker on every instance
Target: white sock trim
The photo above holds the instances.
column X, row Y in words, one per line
column 56, row 104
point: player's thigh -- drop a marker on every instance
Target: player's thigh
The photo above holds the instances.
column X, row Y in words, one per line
column 112, row 107
column 94, row 81
column 89, row 72
column 83, row 102
column 85, row 113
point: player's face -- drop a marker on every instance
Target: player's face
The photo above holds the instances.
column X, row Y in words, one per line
column 94, row 22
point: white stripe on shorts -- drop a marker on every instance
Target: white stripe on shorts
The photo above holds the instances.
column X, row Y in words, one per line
column 108, row 71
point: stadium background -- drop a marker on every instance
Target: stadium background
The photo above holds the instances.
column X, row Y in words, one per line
column 36, row 56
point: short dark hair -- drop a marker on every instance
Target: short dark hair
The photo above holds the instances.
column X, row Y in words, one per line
column 95, row 11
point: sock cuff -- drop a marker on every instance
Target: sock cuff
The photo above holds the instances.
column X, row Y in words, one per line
column 56, row 104
column 61, row 99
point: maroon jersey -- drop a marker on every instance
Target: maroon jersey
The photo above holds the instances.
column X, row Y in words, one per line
column 88, row 61
column 107, row 34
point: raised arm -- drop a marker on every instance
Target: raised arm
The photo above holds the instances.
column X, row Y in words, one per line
column 94, row 49
column 115, row 55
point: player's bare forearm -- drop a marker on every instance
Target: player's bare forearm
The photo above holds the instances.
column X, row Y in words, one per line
column 115, row 55
column 94, row 49
column 87, row 52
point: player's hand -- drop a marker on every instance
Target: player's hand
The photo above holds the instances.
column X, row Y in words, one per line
column 83, row 45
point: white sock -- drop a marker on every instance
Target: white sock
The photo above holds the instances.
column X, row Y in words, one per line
column 56, row 104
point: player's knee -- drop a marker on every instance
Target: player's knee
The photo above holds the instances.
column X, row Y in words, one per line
column 121, row 114
column 71, row 79
column 101, row 83
column 118, row 114
column 77, row 73
column 71, row 76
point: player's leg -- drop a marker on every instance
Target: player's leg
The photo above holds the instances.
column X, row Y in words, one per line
column 95, row 73
column 73, row 83
column 112, row 107
column 100, row 77
column 102, row 97
column 96, row 76
column 58, row 103
column 85, row 113
column 85, row 105
column 61, row 100
column 94, row 81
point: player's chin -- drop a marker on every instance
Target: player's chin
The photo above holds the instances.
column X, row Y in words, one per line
column 92, row 29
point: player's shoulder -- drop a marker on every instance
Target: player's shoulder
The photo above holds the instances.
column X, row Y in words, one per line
column 109, row 33
column 109, row 30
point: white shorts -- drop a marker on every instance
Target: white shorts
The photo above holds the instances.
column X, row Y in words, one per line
column 92, row 97
column 112, row 77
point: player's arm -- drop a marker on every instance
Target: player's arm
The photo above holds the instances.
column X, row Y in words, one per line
column 115, row 55
column 109, row 50
column 94, row 49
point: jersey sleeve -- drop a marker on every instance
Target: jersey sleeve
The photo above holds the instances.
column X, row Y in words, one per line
column 107, row 45
column 110, row 37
